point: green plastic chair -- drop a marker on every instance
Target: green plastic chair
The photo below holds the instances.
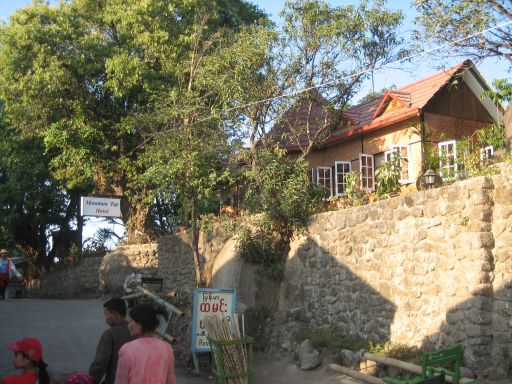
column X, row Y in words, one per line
column 225, row 350
column 446, row 361
column 438, row 379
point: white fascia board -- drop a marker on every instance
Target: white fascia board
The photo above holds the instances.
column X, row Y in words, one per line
column 476, row 87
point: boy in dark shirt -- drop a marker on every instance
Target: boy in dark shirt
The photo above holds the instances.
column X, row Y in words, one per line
column 103, row 368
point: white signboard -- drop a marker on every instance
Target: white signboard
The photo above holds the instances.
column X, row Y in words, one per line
column 100, row 206
column 208, row 301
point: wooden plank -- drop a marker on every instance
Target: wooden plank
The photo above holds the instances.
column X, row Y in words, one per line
column 355, row 374
column 410, row 367
column 147, row 292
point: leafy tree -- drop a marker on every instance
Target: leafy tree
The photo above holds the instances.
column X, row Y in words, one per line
column 193, row 133
column 502, row 93
column 186, row 163
column 284, row 200
column 445, row 21
column 330, row 48
column 31, row 202
column 75, row 76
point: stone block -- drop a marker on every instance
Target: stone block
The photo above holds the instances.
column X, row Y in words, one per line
column 502, row 194
column 504, row 239
column 477, row 183
column 482, row 214
column 502, row 212
column 431, row 209
column 400, row 214
column 479, row 197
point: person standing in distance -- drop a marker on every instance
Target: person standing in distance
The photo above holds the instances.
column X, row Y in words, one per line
column 103, row 368
column 7, row 269
column 148, row 359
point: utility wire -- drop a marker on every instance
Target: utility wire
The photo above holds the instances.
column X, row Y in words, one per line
column 333, row 82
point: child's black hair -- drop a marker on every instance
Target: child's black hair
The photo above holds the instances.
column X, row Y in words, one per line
column 43, row 376
column 146, row 314
column 116, row 304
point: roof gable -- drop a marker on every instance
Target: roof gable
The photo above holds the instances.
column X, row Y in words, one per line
column 391, row 101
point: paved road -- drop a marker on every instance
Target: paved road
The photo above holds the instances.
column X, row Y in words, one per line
column 68, row 329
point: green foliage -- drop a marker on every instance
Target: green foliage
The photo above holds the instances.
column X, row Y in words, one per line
column 284, row 194
column 353, row 189
column 283, row 198
column 263, row 249
column 493, row 135
column 388, row 176
column 97, row 244
column 431, row 160
column 502, row 94
column 469, row 160
column 31, row 201
column 444, row 21
column 321, row 44
column 331, row 338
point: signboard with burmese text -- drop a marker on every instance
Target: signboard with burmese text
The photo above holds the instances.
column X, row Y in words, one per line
column 100, row 206
column 208, row 301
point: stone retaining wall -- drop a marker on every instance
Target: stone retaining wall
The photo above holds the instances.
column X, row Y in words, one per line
column 77, row 281
column 430, row 268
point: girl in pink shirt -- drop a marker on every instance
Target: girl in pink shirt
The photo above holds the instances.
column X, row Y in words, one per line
column 148, row 359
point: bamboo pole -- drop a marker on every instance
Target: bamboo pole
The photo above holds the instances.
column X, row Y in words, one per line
column 407, row 366
column 234, row 356
column 393, row 362
column 147, row 292
column 132, row 296
column 355, row 374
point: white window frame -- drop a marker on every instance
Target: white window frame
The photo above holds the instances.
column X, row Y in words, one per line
column 486, row 152
column 364, row 185
column 448, row 167
column 396, row 148
column 313, row 174
column 337, row 174
column 324, row 178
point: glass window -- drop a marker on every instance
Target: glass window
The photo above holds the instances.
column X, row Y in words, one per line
column 448, row 159
column 324, row 178
column 342, row 168
column 403, row 152
column 367, row 169
column 486, row 153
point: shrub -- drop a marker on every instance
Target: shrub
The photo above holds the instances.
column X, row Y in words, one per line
column 388, row 177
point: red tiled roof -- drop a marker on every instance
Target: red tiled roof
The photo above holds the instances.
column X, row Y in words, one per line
column 298, row 116
column 412, row 98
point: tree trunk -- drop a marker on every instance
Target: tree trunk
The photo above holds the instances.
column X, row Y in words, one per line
column 137, row 220
column 195, row 243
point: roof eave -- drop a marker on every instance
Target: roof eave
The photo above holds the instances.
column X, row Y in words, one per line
column 414, row 112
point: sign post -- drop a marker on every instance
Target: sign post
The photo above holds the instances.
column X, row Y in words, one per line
column 209, row 301
column 100, row 206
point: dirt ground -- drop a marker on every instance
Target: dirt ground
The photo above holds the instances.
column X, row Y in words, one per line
column 267, row 370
